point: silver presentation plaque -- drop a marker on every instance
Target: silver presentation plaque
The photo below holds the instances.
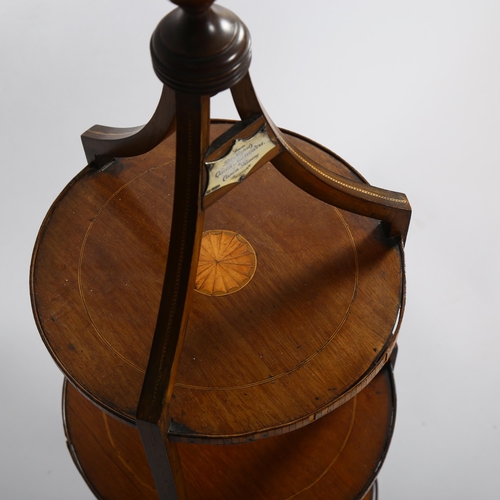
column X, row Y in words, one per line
column 234, row 166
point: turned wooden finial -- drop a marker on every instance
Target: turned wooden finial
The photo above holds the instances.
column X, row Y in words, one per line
column 197, row 4
column 200, row 48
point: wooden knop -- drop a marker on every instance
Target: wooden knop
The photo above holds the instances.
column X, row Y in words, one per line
column 200, row 48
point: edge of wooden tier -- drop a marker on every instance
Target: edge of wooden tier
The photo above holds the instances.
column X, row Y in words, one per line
column 337, row 457
column 99, row 350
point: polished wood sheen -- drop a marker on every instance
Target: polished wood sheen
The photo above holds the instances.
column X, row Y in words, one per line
column 205, row 283
column 336, row 458
column 301, row 338
column 200, row 48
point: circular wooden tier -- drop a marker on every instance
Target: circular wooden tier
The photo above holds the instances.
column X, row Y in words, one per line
column 337, row 457
column 313, row 324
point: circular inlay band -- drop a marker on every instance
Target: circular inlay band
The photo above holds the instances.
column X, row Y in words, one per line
column 227, row 263
column 307, row 316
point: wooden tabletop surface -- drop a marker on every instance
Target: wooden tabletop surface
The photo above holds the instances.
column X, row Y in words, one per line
column 313, row 323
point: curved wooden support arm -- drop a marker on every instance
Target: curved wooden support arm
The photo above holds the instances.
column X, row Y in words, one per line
column 390, row 207
column 101, row 143
column 178, row 288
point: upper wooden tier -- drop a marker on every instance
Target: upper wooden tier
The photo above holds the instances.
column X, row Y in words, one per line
column 314, row 323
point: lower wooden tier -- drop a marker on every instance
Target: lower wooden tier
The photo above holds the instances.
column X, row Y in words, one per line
column 334, row 458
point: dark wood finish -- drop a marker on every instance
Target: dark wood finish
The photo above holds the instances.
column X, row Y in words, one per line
column 254, row 363
column 331, row 459
column 261, row 353
column 101, row 144
column 200, row 48
column 355, row 196
column 178, row 287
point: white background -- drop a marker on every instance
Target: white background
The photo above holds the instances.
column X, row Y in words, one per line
column 407, row 91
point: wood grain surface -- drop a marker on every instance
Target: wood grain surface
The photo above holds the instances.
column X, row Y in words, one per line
column 336, row 457
column 313, row 326
column 227, row 263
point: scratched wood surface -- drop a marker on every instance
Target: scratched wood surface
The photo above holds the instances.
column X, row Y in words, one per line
column 336, row 457
column 305, row 334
